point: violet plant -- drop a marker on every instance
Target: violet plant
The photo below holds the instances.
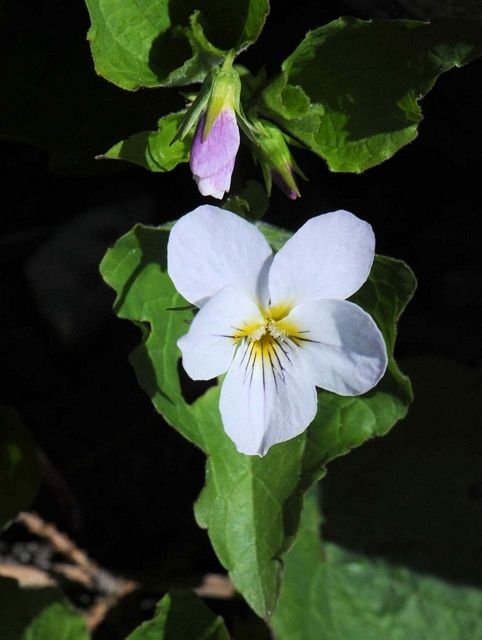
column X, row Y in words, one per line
column 296, row 328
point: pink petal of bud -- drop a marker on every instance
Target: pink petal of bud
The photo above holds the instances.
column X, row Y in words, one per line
column 212, row 159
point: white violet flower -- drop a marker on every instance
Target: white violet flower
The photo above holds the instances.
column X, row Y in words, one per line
column 278, row 326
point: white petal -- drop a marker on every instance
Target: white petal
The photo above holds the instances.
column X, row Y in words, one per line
column 217, row 184
column 211, row 248
column 342, row 344
column 265, row 401
column 208, row 347
column 330, row 256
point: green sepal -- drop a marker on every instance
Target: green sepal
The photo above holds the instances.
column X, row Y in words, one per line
column 225, row 94
column 195, row 110
column 249, row 129
column 272, row 152
column 220, row 90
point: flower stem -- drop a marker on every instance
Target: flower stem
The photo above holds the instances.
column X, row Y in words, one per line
column 228, row 60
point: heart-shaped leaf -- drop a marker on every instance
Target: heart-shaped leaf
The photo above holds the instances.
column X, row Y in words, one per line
column 351, row 89
column 250, row 505
column 152, row 43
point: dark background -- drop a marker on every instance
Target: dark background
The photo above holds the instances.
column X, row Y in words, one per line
column 118, row 479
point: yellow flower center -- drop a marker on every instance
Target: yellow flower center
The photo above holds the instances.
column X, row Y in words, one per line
column 265, row 336
column 268, row 343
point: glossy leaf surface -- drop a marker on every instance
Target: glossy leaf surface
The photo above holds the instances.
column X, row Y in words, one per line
column 250, row 505
column 351, row 89
column 329, row 593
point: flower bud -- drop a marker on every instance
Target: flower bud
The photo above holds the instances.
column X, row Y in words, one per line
column 274, row 156
column 216, row 140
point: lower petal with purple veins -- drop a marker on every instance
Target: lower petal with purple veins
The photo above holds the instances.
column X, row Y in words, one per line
column 268, row 395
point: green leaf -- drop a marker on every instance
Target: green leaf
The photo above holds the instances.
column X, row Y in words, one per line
column 19, row 476
column 153, row 149
column 350, row 90
column 250, row 505
column 406, row 522
column 251, row 202
column 332, row 594
column 37, row 614
column 181, row 614
column 65, row 108
column 274, row 235
column 139, row 44
column 151, row 43
column 236, row 28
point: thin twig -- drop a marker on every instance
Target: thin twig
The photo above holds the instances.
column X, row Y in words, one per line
column 82, row 570
column 26, row 575
column 216, row 585
column 59, row 541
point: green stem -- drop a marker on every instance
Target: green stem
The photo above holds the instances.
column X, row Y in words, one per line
column 228, row 60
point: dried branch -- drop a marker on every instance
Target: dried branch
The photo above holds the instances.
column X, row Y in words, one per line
column 81, row 569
